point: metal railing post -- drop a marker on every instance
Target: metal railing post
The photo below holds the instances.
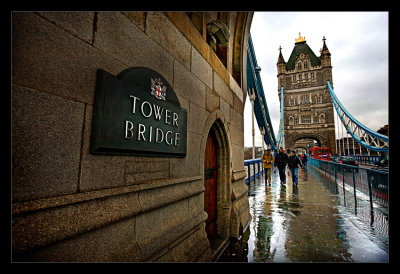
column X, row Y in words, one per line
column 344, row 189
column 354, row 187
column 249, row 174
column 369, row 188
column 377, row 180
column 335, row 173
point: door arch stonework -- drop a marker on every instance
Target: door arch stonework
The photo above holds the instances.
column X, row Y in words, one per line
column 216, row 123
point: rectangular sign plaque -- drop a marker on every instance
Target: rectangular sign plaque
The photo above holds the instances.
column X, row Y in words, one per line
column 137, row 113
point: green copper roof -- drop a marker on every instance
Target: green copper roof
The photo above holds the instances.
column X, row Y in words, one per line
column 299, row 48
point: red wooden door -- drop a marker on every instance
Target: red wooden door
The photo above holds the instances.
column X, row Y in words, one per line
column 210, row 185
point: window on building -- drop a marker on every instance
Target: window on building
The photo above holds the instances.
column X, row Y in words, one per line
column 291, row 102
column 300, row 78
column 294, row 78
column 312, row 75
column 305, row 64
column 296, row 120
column 306, row 119
column 304, row 99
column 319, row 99
column 306, row 76
column 299, row 66
column 322, row 118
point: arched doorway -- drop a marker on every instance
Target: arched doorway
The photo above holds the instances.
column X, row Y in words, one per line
column 302, row 145
column 306, row 140
column 217, row 176
column 210, row 185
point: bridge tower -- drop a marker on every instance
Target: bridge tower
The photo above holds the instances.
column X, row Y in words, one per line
column 308, row 108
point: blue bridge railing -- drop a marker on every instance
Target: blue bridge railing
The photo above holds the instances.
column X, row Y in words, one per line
column 256, row 166
column 374, row 183
column 367, row 160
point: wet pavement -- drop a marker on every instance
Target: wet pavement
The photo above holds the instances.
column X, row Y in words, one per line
column 314, row 222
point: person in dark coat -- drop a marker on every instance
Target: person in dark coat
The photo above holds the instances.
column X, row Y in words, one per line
column 293, row 164
column 304, row 160
column 280, row 162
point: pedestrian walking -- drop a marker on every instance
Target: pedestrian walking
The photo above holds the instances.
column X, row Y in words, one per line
column 304, row 160
column 281, row 161
column 267, row 159
column 293, row 164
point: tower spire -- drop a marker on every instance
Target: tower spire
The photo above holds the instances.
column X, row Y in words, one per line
column 325, row 50
column 281, row 64
column 280, row 58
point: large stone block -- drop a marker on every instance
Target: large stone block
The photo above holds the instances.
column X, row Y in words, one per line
column 237, row 156
column 235, row 88
column 155, row 195
column 197, row 118
column 200, row 67
column 48, row 58
column 225, row 108
column 222, row 89
column 212, row 100
column 190, row 165
column 140, row 169
column 79, row 24
column 161, row 30
column 237, row 136
column 95, row 169
column 39, row 228
column 189, row 86
column 124, row 40
column 153, row 225
column 191, row 248
column 46, row 142
column 113, row 243
column 236, row 119
column 136, row 17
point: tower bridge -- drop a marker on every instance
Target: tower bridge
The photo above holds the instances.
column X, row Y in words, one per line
column 310, row 112
column 109, row 164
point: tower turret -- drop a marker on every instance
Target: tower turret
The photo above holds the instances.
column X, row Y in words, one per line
column 281, row 62
column 326, row 63
column 325, row 55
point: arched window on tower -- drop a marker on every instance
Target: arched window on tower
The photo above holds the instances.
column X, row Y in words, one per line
column 299, row 65
column 322, row 118
column 305, row 64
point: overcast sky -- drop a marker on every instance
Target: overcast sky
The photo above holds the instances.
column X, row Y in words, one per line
column 358, row 43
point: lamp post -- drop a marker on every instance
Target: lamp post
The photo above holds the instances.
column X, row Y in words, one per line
column 262, row 140
column 252, row 96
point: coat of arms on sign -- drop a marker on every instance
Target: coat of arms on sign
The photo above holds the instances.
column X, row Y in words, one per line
column 157, row 88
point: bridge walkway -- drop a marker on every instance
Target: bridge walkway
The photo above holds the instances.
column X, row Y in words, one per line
column 313, row 222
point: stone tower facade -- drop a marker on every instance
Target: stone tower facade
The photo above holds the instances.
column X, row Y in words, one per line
column 308, row 108
column 70, row 204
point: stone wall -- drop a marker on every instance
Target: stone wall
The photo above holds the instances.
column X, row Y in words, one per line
column 71, row 205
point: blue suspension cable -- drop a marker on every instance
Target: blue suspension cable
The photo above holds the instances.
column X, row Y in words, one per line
column 363, row 135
